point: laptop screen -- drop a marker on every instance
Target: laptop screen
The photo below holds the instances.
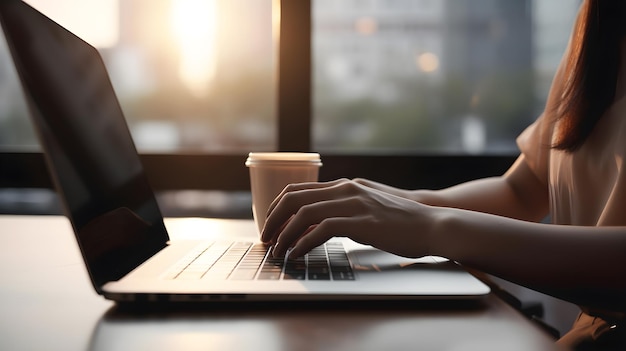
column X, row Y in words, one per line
column 87, row 144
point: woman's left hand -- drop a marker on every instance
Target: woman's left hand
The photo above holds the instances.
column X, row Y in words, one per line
column 306, row 215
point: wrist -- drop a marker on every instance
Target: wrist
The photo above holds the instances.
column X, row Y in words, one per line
column 440, row 242
column 426, row 197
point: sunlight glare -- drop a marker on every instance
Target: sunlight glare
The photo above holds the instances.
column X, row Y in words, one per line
column 95, row 21
column 194, row 25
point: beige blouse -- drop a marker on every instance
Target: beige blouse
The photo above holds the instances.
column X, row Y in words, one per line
column 587, row 187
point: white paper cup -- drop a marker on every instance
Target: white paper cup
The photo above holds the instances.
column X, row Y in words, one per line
column 271, row 172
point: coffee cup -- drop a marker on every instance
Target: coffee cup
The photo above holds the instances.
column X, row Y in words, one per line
column 271, row 172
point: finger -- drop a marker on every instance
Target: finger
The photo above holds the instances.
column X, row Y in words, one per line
column 272, row 240
column 311, row 215
column 320, row 234
column 292, row 201
column 299, row 187
column 303, row 234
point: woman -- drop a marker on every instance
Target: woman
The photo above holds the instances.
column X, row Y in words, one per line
column 571, row 167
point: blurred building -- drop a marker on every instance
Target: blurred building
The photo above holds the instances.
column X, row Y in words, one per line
column 482, row 66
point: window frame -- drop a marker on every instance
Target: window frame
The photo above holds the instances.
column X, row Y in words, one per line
column 227, row 172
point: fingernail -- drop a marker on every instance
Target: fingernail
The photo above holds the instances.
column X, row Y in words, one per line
column 266, row 238
column 294, row 253
column 274, row 252
column 263, row 235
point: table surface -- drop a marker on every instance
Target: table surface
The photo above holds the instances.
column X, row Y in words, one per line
column 47, row 303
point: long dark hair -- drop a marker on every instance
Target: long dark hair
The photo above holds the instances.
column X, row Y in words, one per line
column 592, row 70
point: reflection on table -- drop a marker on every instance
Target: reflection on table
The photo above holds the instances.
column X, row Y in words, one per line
column 48, row 303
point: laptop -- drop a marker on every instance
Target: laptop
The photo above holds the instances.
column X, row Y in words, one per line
column 117, row 222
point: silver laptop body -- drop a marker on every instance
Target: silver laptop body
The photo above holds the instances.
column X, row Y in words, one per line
column 116, row 219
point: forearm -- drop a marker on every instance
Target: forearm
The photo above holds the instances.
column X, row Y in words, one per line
column 516, row 194
column 585, row 265
column 489, row 195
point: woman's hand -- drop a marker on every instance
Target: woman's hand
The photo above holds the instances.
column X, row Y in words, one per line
column 407, row 194
column 306, row 215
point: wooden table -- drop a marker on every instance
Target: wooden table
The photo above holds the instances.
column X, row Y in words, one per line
column 47, row 303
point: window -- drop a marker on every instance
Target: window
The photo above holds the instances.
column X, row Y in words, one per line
column 191, row 75
column 433, row 77
column 414, row 93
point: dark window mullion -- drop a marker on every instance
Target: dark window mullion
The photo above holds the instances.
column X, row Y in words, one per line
column 294, row 76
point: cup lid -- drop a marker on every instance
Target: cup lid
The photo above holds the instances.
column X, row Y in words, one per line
column 284, row 157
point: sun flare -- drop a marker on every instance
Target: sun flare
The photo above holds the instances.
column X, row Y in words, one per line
column 194, row 25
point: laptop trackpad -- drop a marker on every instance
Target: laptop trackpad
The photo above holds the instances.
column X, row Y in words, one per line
column 370, row 259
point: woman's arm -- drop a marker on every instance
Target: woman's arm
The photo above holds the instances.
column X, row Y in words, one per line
column 584, row 265
column 517, row 194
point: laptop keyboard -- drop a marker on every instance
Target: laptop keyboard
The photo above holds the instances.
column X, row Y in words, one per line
column 252, row 261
